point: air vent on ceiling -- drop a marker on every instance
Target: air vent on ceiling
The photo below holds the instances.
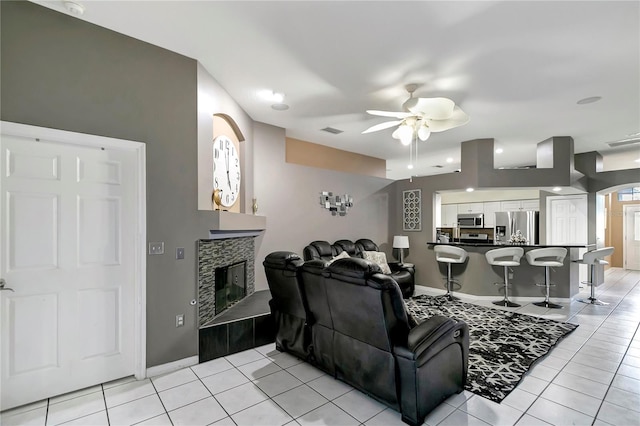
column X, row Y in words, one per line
column 332, row 130
column 624, row 142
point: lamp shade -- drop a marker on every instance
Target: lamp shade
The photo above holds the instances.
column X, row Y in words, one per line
column 400, row 241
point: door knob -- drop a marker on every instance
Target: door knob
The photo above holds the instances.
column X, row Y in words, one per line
column 2, row 285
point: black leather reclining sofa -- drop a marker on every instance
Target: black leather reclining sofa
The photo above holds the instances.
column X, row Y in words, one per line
column 349, row 320
column 403, row 274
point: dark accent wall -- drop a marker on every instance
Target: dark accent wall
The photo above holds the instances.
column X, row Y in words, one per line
column 64, row 73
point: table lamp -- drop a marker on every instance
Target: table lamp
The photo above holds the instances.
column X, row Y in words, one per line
column 401, row 242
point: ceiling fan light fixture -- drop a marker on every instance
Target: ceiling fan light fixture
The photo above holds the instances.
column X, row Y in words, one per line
column 405, row 134
column 424, row 132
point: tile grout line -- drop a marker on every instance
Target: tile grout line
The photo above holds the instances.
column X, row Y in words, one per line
column 104, row 400
column 160, row 399
column 212, row 395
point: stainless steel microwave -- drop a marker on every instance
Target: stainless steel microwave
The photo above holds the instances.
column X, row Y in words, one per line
column 475, row 220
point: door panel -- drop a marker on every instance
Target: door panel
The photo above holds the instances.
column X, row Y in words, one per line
column 36, row 317
column 99, row 322
column 99, row 231
column 29, row 215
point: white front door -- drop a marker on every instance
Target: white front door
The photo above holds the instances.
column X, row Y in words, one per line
column 68, row 232
column 632, row 237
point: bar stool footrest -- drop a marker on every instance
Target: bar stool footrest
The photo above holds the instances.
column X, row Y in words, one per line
column 506, row 303
column 546, row 304
column 593, row 301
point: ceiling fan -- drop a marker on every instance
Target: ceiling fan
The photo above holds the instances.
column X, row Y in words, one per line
column 422, row 116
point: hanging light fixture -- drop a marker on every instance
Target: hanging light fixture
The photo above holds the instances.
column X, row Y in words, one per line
column 423, row 131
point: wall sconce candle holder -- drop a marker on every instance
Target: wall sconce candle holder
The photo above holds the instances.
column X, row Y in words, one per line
column 338, row 205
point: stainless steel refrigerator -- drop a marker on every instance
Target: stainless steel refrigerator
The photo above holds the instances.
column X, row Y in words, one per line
column 509, row 223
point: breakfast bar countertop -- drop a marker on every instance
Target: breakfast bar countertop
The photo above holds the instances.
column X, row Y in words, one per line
column 434, row 243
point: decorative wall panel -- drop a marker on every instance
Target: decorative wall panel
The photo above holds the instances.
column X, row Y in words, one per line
column 412, row 210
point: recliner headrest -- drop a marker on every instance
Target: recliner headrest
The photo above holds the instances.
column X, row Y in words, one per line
column 284, row 260
column 315, row 266
column 346, row 245
column 367, row 245
column 353, row 267
column 323, row 247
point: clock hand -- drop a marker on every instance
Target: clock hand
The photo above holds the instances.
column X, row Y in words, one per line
column 227, row 160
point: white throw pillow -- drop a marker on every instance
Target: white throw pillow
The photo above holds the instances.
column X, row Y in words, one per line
column 379, row 258
column 342, row 255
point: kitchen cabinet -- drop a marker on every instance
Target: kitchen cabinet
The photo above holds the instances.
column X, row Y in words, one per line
column 490, row 208
column 531, row 205
column 470, row 208
column 518, row 205
column 449, row 215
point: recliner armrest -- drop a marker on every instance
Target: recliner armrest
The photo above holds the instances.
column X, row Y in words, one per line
column 397, row 267
column 429, row 337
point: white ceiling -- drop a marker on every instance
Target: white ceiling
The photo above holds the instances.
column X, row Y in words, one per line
column 516, row 67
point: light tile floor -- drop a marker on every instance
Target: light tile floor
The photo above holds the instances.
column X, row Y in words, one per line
column 592, row 377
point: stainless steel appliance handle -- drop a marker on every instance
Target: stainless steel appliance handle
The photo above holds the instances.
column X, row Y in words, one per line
column 2, row 285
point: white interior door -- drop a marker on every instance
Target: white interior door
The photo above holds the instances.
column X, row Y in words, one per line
column 68, row 239
column 631, row 230
column 567, row 224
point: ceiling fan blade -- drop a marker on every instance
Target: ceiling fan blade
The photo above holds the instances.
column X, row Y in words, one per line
column 389, row 113
column 458, row 118
column 382, row 126
column 433, row 108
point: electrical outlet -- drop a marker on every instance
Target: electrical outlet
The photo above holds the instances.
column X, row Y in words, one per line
column 156, row 248
column 180, row 253
column 179, row 320
column 510, row 275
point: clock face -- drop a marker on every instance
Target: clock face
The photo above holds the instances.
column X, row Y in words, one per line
column 226, row 170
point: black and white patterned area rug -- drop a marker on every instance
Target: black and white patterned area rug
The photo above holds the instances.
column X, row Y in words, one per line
column 502, row 344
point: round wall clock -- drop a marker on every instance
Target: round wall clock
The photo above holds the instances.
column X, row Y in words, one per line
column 226, row 170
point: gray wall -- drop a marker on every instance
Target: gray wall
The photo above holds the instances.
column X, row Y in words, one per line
column 64, row 73
column 288, row 195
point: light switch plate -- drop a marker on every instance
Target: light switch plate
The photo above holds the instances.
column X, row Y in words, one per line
column 180, row 253
column 156, row 248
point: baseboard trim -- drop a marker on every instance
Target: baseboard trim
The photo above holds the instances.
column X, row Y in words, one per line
column 172, row 366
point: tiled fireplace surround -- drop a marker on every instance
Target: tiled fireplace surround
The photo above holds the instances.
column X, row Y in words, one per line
column 221, row 335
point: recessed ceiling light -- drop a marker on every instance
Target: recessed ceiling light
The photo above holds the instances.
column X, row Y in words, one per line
column 469, row 189
column 589, row 100
column 449, row 160
column 557, row 189
column 271, row 96
column 637, row 161
column 74, row 7
column 410, row 166
column 499, row 151
column 280, row 107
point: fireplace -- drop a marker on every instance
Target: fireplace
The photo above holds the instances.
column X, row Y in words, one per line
column 230, row 282
column 227, row 263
